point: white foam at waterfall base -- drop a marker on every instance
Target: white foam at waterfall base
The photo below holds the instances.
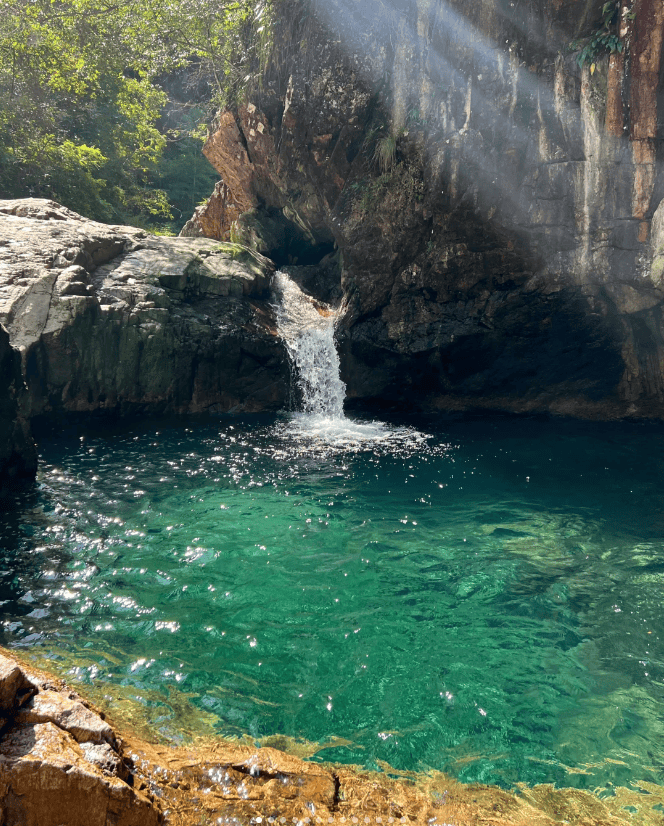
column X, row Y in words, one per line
column 320, row 436
column 307, row 328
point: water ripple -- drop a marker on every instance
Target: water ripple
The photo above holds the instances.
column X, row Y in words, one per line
column 482, row 598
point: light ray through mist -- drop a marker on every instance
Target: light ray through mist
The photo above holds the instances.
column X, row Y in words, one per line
column 466, row 86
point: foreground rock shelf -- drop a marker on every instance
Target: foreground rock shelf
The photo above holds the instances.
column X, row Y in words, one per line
column 60, row 762
column 63, row 764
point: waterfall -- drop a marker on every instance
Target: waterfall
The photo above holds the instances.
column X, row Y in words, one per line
column 307, row 328
column 321, row 428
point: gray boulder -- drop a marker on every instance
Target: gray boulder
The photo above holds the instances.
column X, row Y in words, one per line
column 112, row 318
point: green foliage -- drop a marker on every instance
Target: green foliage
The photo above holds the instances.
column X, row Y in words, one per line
column 380, row 146
column 603, row 41
column 381, row 141
column 72, row 170
column 81, row 102
column 186, row 175
column 385, row 152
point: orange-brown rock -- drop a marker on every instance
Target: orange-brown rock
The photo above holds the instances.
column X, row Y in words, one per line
column 232, row 153
column 646, row 60
column 214, row 218
column 232, row 783
column 615, row 116
column 225, row 149
column 68, row 714
column 260, row 163
column 260, row 142
column 48, row 778
column 60, row 762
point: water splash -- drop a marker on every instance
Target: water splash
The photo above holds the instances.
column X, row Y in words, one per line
column 321, row 427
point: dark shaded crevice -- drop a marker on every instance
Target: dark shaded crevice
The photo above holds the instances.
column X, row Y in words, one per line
column 307, row 256
column 243, row 139
column 337, row 793
column 280, row 238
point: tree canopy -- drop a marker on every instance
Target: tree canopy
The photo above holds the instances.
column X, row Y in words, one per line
column 84, row 103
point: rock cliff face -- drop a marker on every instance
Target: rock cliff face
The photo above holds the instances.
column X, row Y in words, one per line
column 18, row 457
column 110, row 318
column 494, row 202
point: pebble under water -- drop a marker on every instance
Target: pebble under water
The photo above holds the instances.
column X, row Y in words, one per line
column 481, row 597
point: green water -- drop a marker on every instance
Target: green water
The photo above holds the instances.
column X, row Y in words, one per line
column 486, row 600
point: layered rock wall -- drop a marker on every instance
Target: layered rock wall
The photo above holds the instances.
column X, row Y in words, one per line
column 493, row 201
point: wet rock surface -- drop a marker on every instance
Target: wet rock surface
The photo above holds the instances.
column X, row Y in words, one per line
column 111, row 318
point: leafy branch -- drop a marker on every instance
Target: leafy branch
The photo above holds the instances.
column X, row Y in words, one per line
column 605, row 40
column 84, row 110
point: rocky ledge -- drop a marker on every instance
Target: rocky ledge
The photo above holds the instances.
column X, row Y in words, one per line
column 112, row 318
column 63, row 764
column 60, row 761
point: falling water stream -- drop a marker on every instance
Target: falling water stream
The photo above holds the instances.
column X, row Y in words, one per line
column 479, row 596
column 307, row 327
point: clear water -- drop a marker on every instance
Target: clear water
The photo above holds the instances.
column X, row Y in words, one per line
column 482, row 596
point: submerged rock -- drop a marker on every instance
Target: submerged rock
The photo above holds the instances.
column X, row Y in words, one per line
column 92, row 775
column 111, row 318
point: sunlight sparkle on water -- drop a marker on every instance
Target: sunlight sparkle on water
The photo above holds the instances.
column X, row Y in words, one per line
column 501, row 629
